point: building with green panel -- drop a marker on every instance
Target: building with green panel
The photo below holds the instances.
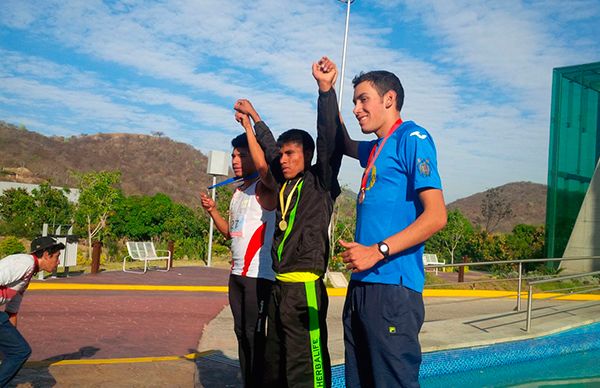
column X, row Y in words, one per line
column 573, row 202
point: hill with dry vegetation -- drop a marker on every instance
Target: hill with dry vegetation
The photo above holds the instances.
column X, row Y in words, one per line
column 157, row 164
column 149, row 164
column 527, row 201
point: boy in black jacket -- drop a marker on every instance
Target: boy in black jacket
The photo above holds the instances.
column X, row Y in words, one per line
column 296, row 350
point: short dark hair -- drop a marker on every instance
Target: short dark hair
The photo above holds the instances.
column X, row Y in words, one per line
column 300, row 137
column 240, row 141
column 383, row 81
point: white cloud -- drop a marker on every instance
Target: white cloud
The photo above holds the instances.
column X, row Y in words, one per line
column 18, row 14
column 511, row 43
column 482, row 89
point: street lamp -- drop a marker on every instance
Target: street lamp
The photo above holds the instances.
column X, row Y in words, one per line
column 348, row 2
column 218, row 165
column 331, row 229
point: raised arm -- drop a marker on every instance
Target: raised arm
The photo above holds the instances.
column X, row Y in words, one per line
column 325, row 73
column 267, row 188
column 265, row 138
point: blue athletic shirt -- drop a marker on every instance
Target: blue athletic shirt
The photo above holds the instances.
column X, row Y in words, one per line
column 407, row 164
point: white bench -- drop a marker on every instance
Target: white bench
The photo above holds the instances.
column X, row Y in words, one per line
column 430, row 260
column 144, row 251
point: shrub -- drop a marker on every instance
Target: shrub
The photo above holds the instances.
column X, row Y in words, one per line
column 192, row 248
column 11, row 245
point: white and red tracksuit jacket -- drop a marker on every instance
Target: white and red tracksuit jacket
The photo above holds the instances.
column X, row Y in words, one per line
column 16, row 272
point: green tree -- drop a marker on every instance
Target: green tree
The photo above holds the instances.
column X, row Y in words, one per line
column 10, row 245
column 97, row 198
column 158, row 218
column 189, row 230
column 526, row 242
column 223, row 198
column 453, row 237
column 22, row 214
column 343, row 225
column 17, row 213
column 482, row 246
column 140, row 217
column 52, row 206
column 184, row 222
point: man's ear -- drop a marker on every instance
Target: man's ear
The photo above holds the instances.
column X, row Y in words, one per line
column 389, row 98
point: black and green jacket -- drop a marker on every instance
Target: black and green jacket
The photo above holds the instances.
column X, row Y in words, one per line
column 304, row 246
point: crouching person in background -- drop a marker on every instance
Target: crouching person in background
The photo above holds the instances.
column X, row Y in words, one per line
column 16, row 272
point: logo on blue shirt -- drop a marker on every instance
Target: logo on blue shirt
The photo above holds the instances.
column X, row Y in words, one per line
column 418, row 134
column 423, row 165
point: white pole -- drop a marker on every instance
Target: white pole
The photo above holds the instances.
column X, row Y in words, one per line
column 331, row 230
column 44, row 233
column 210, row 231
column 344, row 56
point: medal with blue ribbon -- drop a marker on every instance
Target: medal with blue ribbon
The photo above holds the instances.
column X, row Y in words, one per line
column 234, row 180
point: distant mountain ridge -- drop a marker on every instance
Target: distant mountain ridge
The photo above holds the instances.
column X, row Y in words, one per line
column 153, row 164
column 149, row 164
column 527, row 200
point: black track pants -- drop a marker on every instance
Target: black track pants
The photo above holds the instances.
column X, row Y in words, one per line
column 248, row 298
column 296, row 351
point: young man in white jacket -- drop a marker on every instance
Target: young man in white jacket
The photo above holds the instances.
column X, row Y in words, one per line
column 16, row 272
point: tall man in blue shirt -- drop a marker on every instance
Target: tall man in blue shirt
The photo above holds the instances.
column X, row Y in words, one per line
column 399, row 206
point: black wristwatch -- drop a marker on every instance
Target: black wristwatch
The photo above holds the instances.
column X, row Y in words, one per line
column 383, row 248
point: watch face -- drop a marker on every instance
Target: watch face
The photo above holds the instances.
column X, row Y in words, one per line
column 384, row 248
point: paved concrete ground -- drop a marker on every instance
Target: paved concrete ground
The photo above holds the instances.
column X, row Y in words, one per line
column 127, row 338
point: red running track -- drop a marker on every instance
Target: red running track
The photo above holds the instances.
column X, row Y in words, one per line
column 113, row 324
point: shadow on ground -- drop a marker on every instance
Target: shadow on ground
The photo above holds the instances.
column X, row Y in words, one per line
column 218, row 371
column 37, row 374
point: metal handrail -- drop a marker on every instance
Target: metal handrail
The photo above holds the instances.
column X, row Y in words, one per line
column 474, row 263
column 536, row 282
column 566, row 277
column 520, row 263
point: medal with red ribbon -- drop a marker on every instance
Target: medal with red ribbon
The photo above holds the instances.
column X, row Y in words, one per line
column 375, row 151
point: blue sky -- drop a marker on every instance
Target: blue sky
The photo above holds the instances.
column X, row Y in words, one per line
column 477, row 74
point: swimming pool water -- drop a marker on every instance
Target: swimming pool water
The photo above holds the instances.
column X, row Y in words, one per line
column 573, row 369
column 569, row 358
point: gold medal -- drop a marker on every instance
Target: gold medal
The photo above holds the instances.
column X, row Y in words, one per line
column 282, row 225
column 285, row 205
column 361, row 195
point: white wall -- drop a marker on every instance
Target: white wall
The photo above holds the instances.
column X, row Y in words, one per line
column 73, row 196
